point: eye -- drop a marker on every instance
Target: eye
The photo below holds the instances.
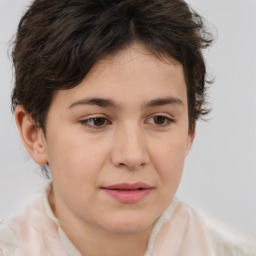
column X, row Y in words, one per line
column 160, row 120
column 95, row 122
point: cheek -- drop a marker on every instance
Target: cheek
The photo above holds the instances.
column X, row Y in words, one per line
column 169, row 158
column 74, row 159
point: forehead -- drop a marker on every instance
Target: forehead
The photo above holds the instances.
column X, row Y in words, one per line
column 133, row 76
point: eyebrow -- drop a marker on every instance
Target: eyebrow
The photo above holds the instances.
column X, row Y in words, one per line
column 104, row 103
column 94, row 101
column 164, row 101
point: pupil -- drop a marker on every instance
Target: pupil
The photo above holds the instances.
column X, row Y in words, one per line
column 99, row 121
column 159, row 119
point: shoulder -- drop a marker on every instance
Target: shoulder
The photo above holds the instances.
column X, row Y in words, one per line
column 227, row 239
column 8, row 240
column 17, row 228
column 180, row 231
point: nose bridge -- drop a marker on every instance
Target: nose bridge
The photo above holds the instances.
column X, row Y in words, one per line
column 130, row 148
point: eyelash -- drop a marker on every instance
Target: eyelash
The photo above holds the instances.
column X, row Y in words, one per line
column 86, row 122
column 167, row 120
column 106, row 122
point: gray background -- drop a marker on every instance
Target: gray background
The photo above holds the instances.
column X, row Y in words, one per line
column 219, row 175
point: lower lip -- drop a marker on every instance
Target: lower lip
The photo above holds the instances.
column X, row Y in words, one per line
column 128, row 196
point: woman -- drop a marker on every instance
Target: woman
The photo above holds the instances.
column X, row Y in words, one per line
column 107, row 95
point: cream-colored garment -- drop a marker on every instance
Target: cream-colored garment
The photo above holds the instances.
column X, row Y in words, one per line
column 178, row 232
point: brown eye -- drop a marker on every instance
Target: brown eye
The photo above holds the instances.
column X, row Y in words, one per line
column 160, row 120
column 98, row 121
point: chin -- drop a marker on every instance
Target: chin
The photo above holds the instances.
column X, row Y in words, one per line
column 130, row 224
column 129, row 230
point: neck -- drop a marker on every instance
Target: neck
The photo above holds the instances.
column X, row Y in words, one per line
column 99, row 243
column 93, row 241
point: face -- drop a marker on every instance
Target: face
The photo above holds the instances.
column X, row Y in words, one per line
column 116, row 143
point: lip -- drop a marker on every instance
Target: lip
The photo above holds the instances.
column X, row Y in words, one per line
column 128, row 193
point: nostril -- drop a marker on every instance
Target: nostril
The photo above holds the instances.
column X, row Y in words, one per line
column 132, row 160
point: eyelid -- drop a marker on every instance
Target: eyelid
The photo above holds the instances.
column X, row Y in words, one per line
column 85, row 122
column 169, row 119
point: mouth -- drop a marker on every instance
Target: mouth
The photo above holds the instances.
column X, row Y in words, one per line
column 128, row 193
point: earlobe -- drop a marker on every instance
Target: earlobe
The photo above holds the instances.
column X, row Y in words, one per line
column 32, row 137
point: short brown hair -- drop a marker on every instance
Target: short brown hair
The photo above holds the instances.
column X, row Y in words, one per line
column 59, row 41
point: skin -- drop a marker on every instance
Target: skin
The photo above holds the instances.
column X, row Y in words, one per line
column 125, row 144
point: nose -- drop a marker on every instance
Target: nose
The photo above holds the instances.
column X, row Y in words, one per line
column 130, row 148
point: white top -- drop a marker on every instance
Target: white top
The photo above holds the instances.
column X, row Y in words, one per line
column 180, row 231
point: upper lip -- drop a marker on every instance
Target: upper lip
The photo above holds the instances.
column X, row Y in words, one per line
column 127, row 186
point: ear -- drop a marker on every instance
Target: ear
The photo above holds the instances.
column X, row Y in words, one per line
column 191, row 137
column 32, row 137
